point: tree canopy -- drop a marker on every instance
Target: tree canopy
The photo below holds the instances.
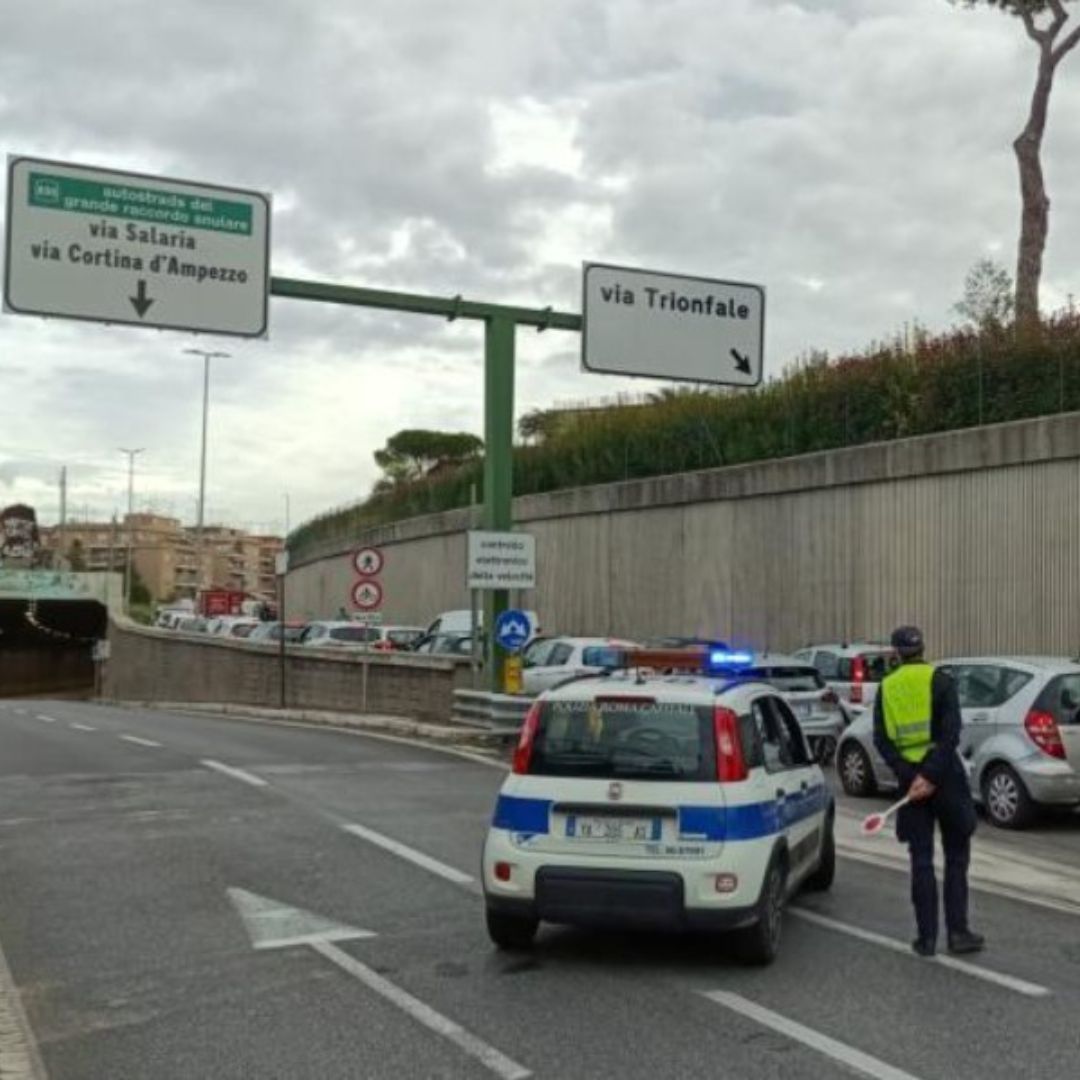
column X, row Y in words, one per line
column 988, row 295
column 416, row 452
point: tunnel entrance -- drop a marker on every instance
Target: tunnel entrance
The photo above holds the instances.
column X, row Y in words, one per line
column 46, row 646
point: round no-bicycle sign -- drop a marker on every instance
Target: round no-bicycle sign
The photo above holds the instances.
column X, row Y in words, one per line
column 368, row 562
column 367, row 595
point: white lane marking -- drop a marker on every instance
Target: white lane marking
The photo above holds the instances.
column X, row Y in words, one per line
column 411, row 854
column 236, row 774
column 19, row 1055
column 47, row 719
column 139, row 742
column 82, row 727
column 1009, row 982
column 854, row 1059
column 487, row 1055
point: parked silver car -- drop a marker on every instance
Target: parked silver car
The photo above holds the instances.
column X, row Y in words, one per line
column 1020, row 742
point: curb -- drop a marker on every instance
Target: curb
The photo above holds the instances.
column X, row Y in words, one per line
column 396, row 726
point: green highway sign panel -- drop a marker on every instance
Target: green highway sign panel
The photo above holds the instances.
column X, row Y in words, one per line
column 670, row 326
column 115, row 247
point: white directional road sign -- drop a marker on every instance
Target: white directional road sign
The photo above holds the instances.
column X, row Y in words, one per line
column 89, row 243
column 666, row 326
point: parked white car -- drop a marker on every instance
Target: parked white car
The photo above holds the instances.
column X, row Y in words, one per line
column 853, row 669
column 552, row 661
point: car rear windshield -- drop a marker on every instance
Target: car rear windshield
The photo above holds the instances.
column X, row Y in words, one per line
column 1061, row 698
column 644, row 740
column 602, row 656
column 875, row 666
column 789, row 678
column 354, row 633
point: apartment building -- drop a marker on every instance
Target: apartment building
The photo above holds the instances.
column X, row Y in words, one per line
column 167, row 555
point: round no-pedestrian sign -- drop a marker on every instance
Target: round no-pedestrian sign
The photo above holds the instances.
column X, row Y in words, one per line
column 368, row 562
column 367, row 595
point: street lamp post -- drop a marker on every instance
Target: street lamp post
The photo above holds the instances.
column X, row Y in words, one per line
column 207, row 357
column 131, row 455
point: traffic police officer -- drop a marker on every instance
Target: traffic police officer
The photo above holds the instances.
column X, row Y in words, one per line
column 917, row 731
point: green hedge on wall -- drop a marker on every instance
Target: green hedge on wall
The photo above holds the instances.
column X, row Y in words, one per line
column 909, row 387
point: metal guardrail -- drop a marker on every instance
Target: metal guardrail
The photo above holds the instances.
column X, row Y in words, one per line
column 500, row 713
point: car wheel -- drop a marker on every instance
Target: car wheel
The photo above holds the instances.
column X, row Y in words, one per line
column 856, row 772
column 514, row 933
column 822, row 878
column 824, row 750
column 760, row 943
column 1008, row 804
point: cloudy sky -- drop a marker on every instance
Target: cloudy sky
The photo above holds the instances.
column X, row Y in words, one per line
column 851, row 155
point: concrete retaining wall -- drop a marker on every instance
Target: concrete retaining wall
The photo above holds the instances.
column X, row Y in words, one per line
column 159, row 665
column 974, row 534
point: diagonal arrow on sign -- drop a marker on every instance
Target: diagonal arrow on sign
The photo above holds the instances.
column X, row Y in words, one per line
column 742, row 363
column 140, row 301
column 271, row 924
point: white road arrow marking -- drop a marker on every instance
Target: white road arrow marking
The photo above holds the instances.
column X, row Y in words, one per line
column 271, row 924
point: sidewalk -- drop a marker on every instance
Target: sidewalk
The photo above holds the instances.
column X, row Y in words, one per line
column 995, row 867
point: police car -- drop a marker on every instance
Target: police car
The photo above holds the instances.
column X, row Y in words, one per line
column 685, row 800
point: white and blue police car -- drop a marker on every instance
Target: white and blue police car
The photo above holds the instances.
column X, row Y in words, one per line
column 685, row 800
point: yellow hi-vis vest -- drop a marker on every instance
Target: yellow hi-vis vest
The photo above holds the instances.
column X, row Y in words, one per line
column 906, row 703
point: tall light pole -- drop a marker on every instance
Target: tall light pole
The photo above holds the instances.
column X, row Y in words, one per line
column 131, row 455
column 207, row 357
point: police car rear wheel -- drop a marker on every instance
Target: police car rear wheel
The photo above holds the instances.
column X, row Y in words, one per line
column 760, row 943
column 856, row 773
column 513, row 932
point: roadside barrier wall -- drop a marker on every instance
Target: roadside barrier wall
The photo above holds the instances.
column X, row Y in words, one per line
column 161, row 665
column 972, row 534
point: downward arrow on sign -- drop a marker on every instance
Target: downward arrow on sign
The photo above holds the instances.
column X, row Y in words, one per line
column 140, row 301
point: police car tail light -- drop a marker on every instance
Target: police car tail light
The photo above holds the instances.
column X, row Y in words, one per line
column 523, row 752
column 858, row 677
column 730, row 762
column 1044, row 732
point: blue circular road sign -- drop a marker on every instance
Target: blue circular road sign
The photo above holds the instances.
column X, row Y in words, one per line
column 512, row 630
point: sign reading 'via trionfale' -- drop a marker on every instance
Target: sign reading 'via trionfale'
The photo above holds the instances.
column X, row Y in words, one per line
column 89, row 243
column 501, row 560
column 668, row 326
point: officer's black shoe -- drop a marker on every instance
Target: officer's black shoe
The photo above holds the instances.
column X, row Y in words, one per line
column 966, row 942
column 923, row 947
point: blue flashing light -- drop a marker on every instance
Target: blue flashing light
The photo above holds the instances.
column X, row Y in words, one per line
column 726, row 659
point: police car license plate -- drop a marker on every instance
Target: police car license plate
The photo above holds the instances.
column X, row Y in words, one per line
column 613, row 829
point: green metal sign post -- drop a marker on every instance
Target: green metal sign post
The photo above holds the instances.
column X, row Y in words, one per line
column 500, row 327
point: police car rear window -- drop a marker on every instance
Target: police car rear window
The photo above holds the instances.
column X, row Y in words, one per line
column 643, row 740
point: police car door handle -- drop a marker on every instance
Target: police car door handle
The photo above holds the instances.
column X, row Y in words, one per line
column 980, row 718
column 781, row 793
column 805, row 786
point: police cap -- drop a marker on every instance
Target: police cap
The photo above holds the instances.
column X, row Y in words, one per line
column 908, row 641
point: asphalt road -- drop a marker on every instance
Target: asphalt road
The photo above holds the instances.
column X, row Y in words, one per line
column 144, row 856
